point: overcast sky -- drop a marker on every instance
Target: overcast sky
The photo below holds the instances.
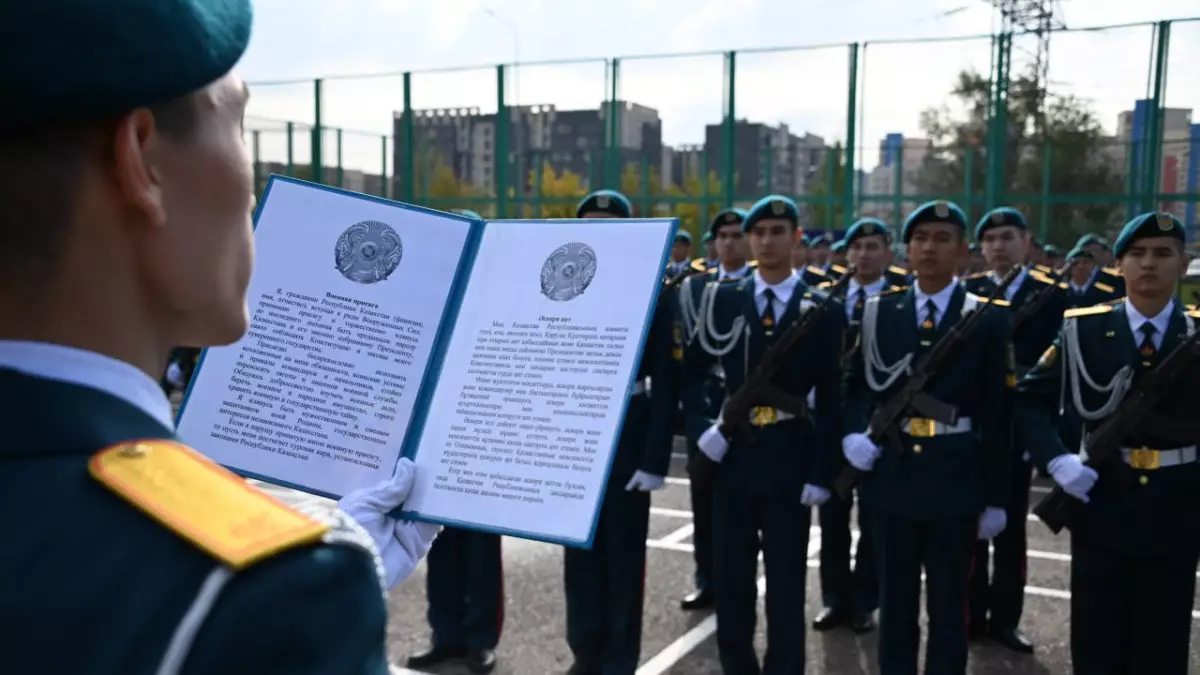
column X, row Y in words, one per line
column 302, row 39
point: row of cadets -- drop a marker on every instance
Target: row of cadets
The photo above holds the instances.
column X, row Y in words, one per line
column 464, row 585
column 997, row 600
column 1136, row 544
column 776, row 464
column 680, row 253
column 732, row 256
column 941, row 484
column 851, row 596
column 1106, row 278
column 605, row 586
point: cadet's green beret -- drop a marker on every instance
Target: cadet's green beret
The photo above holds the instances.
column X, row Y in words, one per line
column 1090, row 239
column 771, row 206
column 1052, row 250
column 818, row 239
column 734, row 216
column 470, row 214
column 999, row 218
column 708, row 237
column 838, row 246
column 683, row 235
column 1079, row 252
column 605, row 201
column 79, row 60
column 1152, row 224
column 868, row 227
column 938, row 211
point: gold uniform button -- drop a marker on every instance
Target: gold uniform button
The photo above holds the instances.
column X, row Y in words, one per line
column 1144, row 480
column 917, row 449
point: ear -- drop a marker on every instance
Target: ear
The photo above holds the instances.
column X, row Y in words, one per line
column 136, row 142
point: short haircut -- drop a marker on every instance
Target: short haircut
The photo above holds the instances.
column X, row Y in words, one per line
column 41, row 169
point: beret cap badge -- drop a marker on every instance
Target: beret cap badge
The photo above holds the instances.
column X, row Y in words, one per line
column 602, row 201
column 1165, row 222
column 942, row 209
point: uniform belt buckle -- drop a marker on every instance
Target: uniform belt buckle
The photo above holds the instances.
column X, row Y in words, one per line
column 761, row 416
column 1144, row 459
column 920, row 427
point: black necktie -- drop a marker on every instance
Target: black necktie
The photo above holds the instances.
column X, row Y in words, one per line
column 1147, row 348
column 929, row 324
column 768, row 315
column 860, row 300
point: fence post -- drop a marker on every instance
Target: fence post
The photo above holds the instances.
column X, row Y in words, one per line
column 730, row 168
column 341, row 171
column 849, row 179
column 315, row 150
column 407, row 160
column 291, row 159
column 500, row 158
column 1153, row 169
column 997, row 144
column 385, row 186
column 612, row 159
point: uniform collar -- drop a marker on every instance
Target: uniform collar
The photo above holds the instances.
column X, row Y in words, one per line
column 941, row 299
column 873, row 288
column 1014, row 286
column 783, row 290
column 723, row 274
column 89, row 369
column 1160, row 321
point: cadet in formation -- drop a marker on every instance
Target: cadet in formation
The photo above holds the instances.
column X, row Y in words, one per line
column 941, row 480
column 1082, row 289
column 1135, row 540
column 464, row 584
column 851, row 596
column 732, row 254
column 680, row 253
column 605, row 585
column 1108, row 279
column 127, row 192
column 800, row 252
column 767, row 442
column 998, row 599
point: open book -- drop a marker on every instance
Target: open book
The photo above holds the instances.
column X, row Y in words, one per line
column 499, row 356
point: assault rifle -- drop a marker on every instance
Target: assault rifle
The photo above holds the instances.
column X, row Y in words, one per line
column 1058, row 509
column 758, row 389
column 886, row 419
column 1032, row 305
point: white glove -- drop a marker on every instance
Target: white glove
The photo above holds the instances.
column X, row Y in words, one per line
column 713, row 444
column 811, row 399
column 175, row 374
column 992, row 522
column 860, row 451
column 644, row 482
column 812, row 495
column 401, row 543
column 1075, row 478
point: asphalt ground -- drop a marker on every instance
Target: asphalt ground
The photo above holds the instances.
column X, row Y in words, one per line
column 675, row 642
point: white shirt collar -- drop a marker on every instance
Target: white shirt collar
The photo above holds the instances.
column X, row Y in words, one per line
column 1160, row 321
column 1014, row 286
column 941, row 300
column 873, row 288
column 723, row 273
column 783, row 290
column 89, row 369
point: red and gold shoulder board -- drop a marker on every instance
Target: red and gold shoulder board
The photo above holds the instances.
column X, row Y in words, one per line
column 203, row 502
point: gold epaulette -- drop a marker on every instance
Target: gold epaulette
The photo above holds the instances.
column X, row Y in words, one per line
column 815, row 270
column 700, row 265
column 1104, row 287
column 894, row 289
column 1088, row 311
column 203, row 502
column 753, row 264
column 1040, row 276
column 1044, row 269
column 825, row 284
column 1193, row 311
column 1063, row 285
column 1111, row 271
column 838, row 268
column 997, row 302
column 977, row 275
column 898, row 270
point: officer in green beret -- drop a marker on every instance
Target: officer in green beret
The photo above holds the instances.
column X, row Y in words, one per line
column 732, row 252
column 681, row 252
column 126, row 231
column 605, row 585
column 711, row 258
column 837, row 254
column 1107, row 279
column 851, row 596
column 800, row 252
column 940, row 484
column 1081, row 288
column 1053, row 256
column 464, row 584
column 820, row 261
column 1135, row 542
column 996, row 604
column 782, row 443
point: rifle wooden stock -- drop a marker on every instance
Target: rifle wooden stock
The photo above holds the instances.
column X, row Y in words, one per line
column 911, row 395
column 1058, row 509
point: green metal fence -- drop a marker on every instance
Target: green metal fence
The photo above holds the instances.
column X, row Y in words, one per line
column 1079, row 145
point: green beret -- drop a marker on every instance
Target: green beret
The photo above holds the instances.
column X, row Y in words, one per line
column 605, row 201
column 1052, row 250
column 817, row 240
column 80, row 60
column 933, row 212
column 1003, row 216
column 868, row 227
column 733, row 216
column 1079, row 252
column 708, row 236
column 1090, row 239
column 1152, row 224
column 470, row 214
column 771, row 206
column 838, row 246
column 683, row 235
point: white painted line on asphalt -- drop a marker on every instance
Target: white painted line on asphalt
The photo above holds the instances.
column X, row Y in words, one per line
column 675, row 480
column 674, row 652
column 679, row 535
column 679, row 455
column 670, row 513
column 672, row 480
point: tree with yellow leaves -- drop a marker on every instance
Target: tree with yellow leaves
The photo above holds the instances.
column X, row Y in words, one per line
column 565, row 189
column 691, row 213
